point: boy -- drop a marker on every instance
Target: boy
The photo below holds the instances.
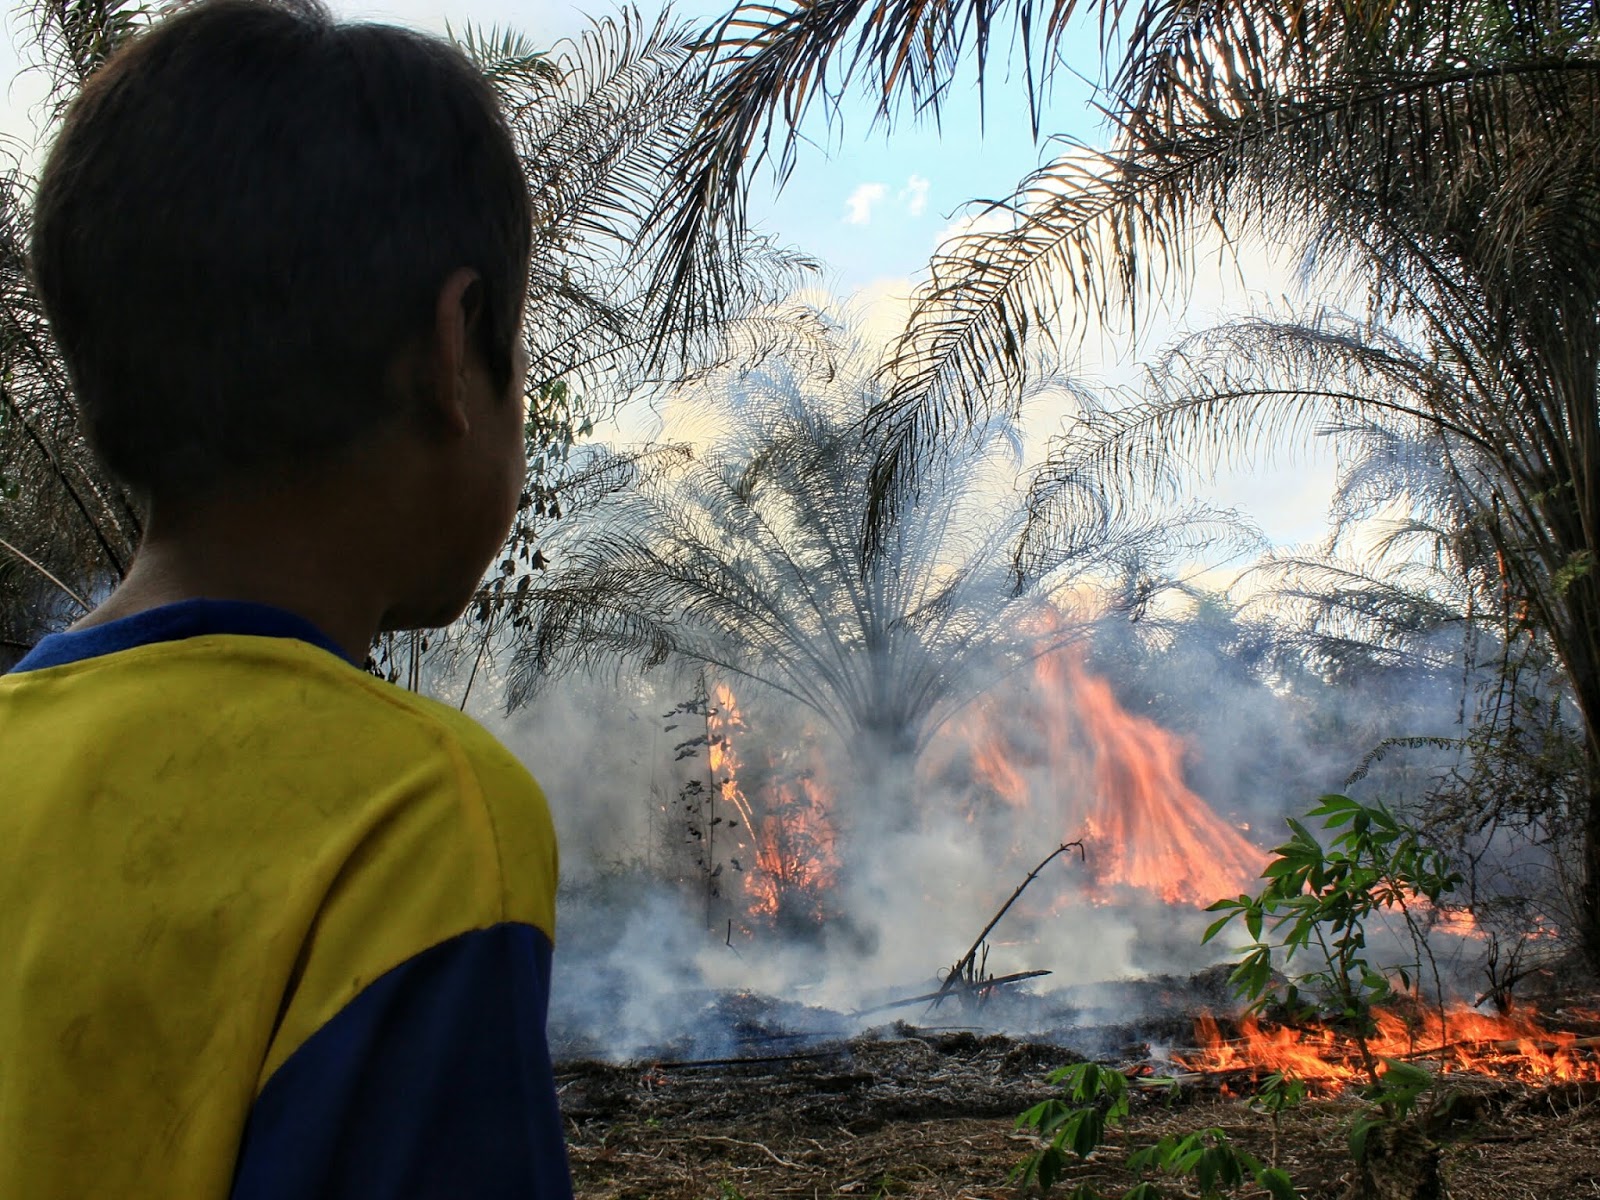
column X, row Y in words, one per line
column 273, row 928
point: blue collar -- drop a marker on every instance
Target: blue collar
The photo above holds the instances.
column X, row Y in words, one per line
column 171, row 623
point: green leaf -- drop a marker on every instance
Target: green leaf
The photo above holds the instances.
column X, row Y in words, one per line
column 1401, row 1074
column 1276, row 1181
column 1332, row 802
column 1083, row 1131
column 1049, row 1167
column 1148, row 1158
column 1216, row 926
column 1035, row 1117
column 1055, row 1116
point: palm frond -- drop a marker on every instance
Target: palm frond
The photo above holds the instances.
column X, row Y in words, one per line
column 72, row 38
column 746, row 559
column 598, row 131
column 515, row 66
column 773, row 63
column 1405, row 174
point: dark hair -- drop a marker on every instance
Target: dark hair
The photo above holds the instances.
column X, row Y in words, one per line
column 246, row 219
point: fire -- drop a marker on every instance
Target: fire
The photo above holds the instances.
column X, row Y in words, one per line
column 794, row 852
column 1150, row 830
column 1453, row 921
column 1118, row 780
column 790, row 835
column 1113, row 777
column 992, row 764
column 1459, row 1039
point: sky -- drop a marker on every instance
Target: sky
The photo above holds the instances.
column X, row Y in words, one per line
column 873, row 204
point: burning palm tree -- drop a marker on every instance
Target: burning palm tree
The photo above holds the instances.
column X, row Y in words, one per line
column 747, row 559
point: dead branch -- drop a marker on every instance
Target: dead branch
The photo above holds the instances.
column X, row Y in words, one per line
column 699, row 1063
column 963, row 971
column 944, row 991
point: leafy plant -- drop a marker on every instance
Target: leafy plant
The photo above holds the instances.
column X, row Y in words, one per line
column 1095, row 1100
column 1275, row 1095
column 1214, row 1164
column 1322, row 897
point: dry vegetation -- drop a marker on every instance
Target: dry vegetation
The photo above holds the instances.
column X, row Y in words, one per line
column 925, row 1114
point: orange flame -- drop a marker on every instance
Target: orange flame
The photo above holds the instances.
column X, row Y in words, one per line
column 790, row 827
column 1118, row 779
column 1150, row 830
column 1461, row 1039
column 794, row 852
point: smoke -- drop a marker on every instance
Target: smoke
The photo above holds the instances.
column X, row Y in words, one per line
column 661, row 948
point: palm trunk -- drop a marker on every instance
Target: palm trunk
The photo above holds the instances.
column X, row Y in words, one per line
column 1581, row 657
column 1589, row 891
column 1584, row 674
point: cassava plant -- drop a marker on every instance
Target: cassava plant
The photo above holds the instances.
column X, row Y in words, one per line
column 1318, row 902
column 1095, row 1101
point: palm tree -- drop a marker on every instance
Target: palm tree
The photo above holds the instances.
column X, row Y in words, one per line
column 1429, row 599
column 1510, row 438
column 745, row 561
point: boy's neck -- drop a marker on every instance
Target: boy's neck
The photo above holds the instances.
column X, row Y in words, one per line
column 157, row 579
column 319, row 564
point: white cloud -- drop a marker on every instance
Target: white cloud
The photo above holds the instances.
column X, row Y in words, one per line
column 861, row 201
column 976, row 220
column 915, row 195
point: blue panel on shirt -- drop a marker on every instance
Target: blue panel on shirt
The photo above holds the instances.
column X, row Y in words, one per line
column 174, row 622
column 434, row 1082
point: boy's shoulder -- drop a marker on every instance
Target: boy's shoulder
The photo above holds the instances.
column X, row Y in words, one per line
column 512, row 800
column 291, row 736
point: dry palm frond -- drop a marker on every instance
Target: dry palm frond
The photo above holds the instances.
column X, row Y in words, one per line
column 598, row 130
column 774, row 62
column 72, row 38
column 1403, row 178
column 515, row 66
column 66, row 532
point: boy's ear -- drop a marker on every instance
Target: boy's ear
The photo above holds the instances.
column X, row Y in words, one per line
column 458, row 309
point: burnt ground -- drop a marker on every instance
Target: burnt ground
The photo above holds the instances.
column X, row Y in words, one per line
column 916, row 1113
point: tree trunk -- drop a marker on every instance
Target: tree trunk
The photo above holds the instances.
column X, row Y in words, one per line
column 1589, row 888
column 1579, row 656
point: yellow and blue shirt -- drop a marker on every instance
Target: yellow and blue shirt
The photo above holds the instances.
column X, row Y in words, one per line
column 269, row 927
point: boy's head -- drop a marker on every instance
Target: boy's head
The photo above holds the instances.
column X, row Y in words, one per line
column 243, row 233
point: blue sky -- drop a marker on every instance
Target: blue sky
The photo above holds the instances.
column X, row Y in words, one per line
column 892, row 234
